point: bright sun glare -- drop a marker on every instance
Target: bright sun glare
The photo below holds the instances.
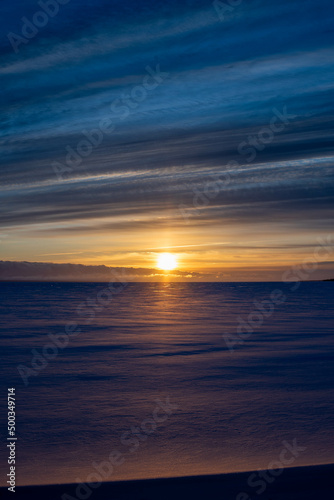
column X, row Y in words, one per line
column 166, row 262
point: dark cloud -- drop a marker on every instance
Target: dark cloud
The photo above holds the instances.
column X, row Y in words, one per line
column 38, row 271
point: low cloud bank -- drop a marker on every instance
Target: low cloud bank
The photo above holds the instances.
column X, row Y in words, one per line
column 41, row 271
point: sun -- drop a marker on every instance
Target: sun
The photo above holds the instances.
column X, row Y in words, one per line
column 166, row 262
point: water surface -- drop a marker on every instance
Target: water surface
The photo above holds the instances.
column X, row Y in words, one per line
column 165, row 340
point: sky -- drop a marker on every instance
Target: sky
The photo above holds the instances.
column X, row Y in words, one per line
column 196, row 128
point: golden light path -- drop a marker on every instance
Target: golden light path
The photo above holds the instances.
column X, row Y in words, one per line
column 166, row 262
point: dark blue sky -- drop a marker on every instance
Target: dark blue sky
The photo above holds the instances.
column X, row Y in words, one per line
column 224, row 80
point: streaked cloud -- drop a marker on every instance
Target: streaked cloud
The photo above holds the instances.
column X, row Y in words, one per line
column 224, row 81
